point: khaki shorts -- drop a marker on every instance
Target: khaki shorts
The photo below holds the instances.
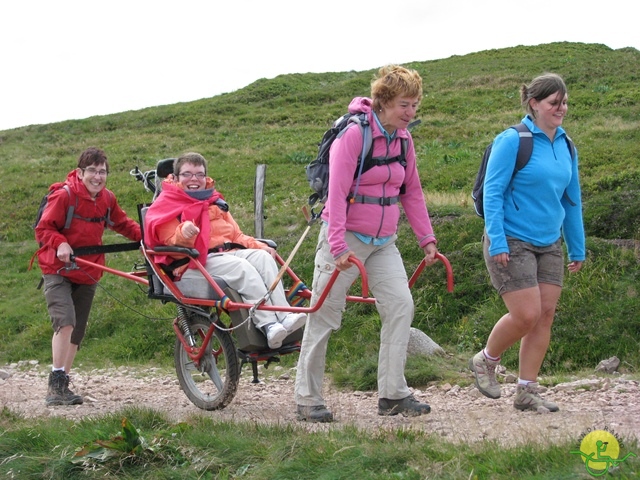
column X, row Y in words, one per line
column 68, row 303
column 527, row 267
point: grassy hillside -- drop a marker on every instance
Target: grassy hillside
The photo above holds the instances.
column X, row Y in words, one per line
column 278, row 122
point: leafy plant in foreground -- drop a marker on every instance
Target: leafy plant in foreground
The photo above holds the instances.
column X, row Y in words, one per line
column 129, row 447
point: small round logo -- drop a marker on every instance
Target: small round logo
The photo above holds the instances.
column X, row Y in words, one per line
column 600, row 450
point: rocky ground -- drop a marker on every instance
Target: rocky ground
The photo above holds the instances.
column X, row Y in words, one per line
column 459, row 414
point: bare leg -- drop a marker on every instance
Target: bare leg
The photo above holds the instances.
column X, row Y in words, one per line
column 71, row 355
column 535, row 343
column 524, row 312
column 62, row 350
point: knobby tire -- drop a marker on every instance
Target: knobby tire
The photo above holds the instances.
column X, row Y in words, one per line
column 196, row 381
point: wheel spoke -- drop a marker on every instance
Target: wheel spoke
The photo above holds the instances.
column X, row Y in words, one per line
column 190, row 366
column 211, row 369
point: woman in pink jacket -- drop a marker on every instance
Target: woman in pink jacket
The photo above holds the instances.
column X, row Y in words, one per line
column 364, row 225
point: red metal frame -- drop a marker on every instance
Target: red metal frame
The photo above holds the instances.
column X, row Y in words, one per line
column 226, row 304
column 195, row 353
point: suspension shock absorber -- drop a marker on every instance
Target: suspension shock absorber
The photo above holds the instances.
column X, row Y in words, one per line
column 183, row 323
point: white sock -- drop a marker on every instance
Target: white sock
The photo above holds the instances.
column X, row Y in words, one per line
column 524, row 382
column 493, row 359
column 61, row 369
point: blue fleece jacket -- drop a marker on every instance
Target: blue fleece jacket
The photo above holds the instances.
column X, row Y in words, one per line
column 533, row 207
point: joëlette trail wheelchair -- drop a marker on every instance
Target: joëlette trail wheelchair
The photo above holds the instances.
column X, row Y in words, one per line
column 209, row 353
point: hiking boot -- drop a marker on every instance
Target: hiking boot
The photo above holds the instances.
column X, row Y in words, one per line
column 485, row 374
column 408, row 406
column 528, row 398
column 317, row 413
column 276, row 333
column 58, row 392
column 55, row 392
column 70, row 397
column 294, row 321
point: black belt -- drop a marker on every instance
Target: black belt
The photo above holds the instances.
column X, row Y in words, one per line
column 383, row 201
column 226, row 246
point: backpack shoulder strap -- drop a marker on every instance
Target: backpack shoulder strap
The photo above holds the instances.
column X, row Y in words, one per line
column 361, row 120
column 112, row 201
column 367, row 134
column 403, row 152
column 367, row 144
column 571, row 146
column 572, row 151
column 526, row 145
column 370, row 162
column 71, row 208
column 525, row 149
column 105, row 218
column 404, row 143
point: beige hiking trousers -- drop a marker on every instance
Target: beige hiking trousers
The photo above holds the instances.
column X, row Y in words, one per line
column 389, row 285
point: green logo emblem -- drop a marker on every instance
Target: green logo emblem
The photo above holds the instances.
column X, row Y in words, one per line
column 600, row 450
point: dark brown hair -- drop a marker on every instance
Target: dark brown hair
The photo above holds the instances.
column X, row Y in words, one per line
column 540, row 88
column 190, row 157
column 93, row 156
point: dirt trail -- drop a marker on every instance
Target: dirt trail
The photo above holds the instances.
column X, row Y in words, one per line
column 459, row 414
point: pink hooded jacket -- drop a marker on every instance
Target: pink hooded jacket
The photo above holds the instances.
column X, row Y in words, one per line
column 165, row 217
column 379, row 181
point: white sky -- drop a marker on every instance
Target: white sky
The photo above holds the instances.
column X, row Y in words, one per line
column 70, row 59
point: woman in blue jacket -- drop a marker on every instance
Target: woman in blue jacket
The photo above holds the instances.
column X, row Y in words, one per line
column 526, row 218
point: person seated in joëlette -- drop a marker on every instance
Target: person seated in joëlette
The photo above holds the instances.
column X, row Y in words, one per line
column 190, row 212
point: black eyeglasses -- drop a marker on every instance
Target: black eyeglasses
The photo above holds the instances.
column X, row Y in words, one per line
column 93, row 172
column 188, row 175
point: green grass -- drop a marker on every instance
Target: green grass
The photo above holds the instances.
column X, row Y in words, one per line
column 202, row 447
column 278, row 122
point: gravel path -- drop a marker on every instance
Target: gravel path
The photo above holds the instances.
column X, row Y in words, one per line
column 459, row 414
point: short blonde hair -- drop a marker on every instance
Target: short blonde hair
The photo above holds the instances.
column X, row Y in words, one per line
column 394, row 81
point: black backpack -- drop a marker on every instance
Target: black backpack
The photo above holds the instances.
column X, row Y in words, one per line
column 318, row 169
column 525, row 149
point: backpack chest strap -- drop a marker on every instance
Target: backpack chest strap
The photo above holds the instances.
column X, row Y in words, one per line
column 382, row 201
column 92, row 219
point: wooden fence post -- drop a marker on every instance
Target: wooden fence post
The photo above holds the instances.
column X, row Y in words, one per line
column 258, row 200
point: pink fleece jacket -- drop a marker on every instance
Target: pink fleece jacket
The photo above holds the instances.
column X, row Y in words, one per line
column 379, row 181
